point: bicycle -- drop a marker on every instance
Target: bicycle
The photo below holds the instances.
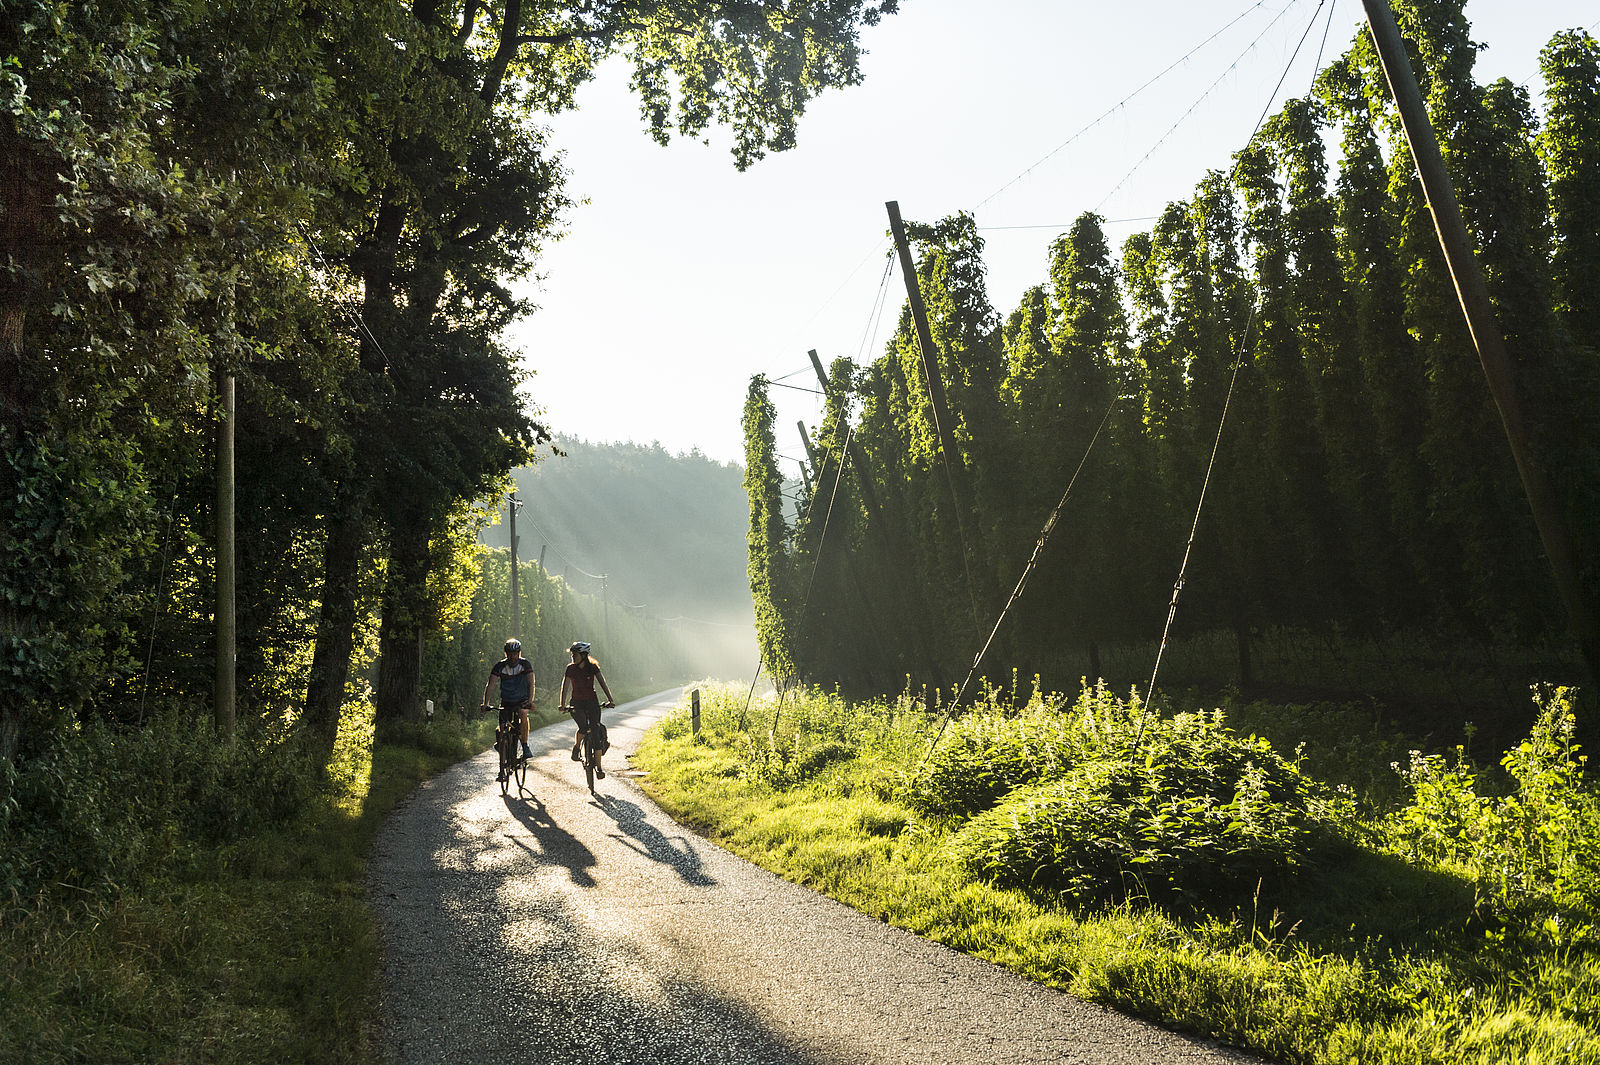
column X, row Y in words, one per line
column 507, row 739
column 590, row 760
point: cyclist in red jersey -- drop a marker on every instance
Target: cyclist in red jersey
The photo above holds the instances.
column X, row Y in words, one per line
column 580, row 678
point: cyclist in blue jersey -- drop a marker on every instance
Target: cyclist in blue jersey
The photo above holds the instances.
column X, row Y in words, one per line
column 515, row 675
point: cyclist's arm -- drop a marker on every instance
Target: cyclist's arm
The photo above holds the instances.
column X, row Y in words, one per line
column 566, row 682
column 487, row 685
column 601, row 677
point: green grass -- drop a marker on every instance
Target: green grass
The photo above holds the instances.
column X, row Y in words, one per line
column 260, row 950
column 1364, row 954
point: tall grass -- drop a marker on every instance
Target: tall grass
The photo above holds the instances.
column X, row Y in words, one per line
column 1436, row 911
column 170, row 900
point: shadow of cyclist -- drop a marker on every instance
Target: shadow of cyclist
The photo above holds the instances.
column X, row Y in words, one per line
column 556, row 846
column 653, row 844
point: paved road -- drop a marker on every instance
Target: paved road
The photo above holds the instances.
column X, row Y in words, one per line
column 557, row 928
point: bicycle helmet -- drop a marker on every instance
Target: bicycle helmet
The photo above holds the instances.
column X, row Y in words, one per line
column 513, row 645
column 579, row 648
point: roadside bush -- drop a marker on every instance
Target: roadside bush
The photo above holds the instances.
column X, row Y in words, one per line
column 1536, row 845
column 103, row 807
column 987, row 753
column 1197, row 813
column 783, row 764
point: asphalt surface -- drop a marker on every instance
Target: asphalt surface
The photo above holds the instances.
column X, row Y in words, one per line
column 557, row 927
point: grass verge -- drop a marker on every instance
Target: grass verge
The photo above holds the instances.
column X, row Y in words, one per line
column 260, row 950
column 1364, row 953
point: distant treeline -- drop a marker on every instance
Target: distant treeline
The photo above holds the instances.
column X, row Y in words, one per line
column 1362, row 482
column 665, row 530
column 639, row 651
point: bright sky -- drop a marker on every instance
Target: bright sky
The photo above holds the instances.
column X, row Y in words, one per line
column 680, row 277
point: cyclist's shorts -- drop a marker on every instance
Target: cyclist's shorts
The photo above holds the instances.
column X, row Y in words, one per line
column 513, row 714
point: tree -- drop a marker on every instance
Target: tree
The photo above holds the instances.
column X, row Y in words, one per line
column 466, row 199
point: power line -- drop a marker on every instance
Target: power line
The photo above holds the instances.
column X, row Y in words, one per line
column 1068, row 225
column 354, row 315
column 1202, row 98
column 1125, row 100
column 797, row 388
column 1244, row 343
column 875, row 316
column 558, row 553
column 1027, row 571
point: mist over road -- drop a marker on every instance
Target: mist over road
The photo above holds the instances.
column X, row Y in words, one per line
column 557, row 927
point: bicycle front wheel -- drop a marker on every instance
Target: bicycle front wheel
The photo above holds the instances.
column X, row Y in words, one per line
column 588, row 762
column 503, row 746
column 519, row 768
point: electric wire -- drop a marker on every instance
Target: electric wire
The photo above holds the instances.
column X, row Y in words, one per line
column 1202, row 98
column 796, row 388
column 1222, row 421
column 822, row 537
column 1022, row 581
column 350, row 312
column 854, row 270
column 558, row 553
column 876, row 314
column 1123, row 102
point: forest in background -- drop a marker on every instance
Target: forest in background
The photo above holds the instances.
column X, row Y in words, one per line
column 1362, row 500
column 665, row 530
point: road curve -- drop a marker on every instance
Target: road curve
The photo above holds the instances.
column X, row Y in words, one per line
column 560, row 928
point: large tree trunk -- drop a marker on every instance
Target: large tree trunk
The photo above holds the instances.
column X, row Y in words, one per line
column 405, row 614
column 330, row 662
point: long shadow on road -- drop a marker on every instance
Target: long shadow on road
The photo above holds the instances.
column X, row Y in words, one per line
column 556, row 846
column 675, row 851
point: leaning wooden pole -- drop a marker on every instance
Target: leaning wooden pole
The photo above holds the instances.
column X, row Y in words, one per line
column 943, row 424
column 1485, row 328
column 811, row 457
column 878, row 528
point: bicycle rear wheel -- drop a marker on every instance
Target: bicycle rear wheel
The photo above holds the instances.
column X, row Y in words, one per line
column 588, row 762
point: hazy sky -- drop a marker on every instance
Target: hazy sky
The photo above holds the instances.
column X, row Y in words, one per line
column 680, row 277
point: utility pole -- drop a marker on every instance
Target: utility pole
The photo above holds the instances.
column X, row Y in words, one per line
column 512, row 507
column 1482, row 323
column 943, row 425
column 227, row 641
column 605, row 606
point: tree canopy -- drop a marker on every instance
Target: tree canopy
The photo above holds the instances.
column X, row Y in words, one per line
column 328, row 202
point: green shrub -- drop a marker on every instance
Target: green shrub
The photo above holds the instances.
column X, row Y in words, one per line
column 782, row 764
column 102, row 807
column 987, row 753
column 1198, row 812
column 1530, row 847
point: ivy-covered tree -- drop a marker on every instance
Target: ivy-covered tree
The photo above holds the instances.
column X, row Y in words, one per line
column 771, row 569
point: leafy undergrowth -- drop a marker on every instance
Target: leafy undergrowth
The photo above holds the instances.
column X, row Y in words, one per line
column 167, row 902
column 1176, row 869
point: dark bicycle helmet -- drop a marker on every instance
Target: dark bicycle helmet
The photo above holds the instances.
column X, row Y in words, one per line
column 513, row 645
column 579, row 648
